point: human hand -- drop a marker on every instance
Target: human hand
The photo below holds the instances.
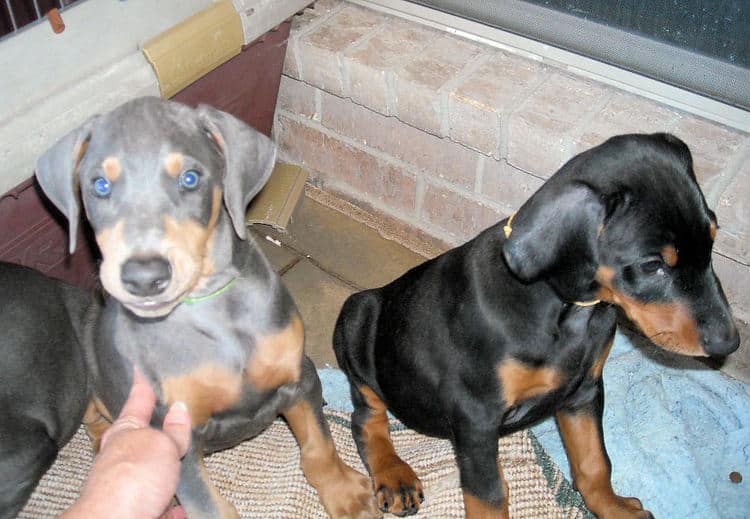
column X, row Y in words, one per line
column 136, row 472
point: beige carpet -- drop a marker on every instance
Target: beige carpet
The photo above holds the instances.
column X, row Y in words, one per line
column 263, row 479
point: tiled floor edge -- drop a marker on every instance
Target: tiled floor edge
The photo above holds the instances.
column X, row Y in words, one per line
column 388, row 225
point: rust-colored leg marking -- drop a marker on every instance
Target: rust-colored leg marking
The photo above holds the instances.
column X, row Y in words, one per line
column 478, row 509
column 344, row 492
column 591, row 469
column 97, row 420
column 277, row 359
column 397, row 488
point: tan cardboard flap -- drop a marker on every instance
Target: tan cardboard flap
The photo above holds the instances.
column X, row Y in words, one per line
column 193, row 48
column 277, row 200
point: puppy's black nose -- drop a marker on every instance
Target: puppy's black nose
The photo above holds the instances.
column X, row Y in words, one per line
column 144, row 277
column 723, row 341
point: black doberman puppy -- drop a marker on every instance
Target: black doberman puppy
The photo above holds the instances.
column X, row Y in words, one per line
column 516, row 324
column 194, row 303
column 44, row 389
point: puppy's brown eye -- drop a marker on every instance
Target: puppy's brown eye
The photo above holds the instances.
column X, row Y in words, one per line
column 652, row 266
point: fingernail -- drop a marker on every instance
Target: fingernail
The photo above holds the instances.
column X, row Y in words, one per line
column 178, row 413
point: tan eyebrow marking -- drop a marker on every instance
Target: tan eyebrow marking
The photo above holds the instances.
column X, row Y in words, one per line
column 173, row 164
column 112, row 168
column 669, row 254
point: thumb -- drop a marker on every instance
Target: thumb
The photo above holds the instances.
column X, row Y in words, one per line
column 174, row 513
column 177, row 425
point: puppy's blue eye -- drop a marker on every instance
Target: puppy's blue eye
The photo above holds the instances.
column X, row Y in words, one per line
column 189, row 179
column 102, row 187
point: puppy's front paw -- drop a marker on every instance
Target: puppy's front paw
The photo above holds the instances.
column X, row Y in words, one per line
column 623, row 508
column 348, row 495
column 398, row 490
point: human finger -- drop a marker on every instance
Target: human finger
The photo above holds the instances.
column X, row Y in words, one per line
column 141, row 401
column 137, row 411
column 177, row 425
column 176, row 512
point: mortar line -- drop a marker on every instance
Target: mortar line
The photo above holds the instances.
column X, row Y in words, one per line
column 450, row 86
column 391, row 75
column 342, row 55
column 296, row 37
column 479, row 175
column 424, row 226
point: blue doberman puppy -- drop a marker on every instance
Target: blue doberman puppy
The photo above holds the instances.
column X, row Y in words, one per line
column 193, row 303
column 516, row 324
column 44, row 387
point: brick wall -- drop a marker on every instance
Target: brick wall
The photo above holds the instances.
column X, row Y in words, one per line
column 448, row 136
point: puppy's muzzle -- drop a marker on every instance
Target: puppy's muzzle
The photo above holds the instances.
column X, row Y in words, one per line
column 721, row 339
column 146, row 277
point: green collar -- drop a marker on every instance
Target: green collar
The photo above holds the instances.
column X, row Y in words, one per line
column 193, row 300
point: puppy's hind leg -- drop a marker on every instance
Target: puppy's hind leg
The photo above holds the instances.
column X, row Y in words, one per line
column 344, row 492
column 24, row 458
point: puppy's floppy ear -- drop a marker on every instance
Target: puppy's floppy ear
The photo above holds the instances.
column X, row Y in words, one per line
column 56, row 171
column 554, row 237
column 249, row 160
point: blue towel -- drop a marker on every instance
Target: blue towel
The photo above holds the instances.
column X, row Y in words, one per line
column 674, row 431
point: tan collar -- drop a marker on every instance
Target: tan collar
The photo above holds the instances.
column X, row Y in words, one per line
column 508, row 229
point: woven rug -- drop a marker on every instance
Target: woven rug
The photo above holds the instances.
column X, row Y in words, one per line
column 263, row 479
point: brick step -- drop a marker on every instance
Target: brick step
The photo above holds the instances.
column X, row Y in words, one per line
column 449, row 135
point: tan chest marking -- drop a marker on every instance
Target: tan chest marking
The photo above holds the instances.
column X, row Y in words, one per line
column 520, row 382
column 208, row 390
column 277, row 359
